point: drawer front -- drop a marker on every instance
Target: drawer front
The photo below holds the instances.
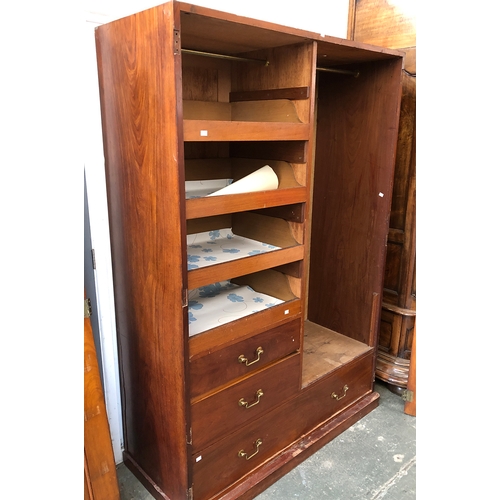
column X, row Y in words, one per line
column 220, row 367
column 223, row 463
column 223, row 412
column 228, row 460
column 336, row 391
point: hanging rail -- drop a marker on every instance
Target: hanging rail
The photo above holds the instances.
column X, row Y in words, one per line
column 355, row 74
column 223, row 56
column 265, row 62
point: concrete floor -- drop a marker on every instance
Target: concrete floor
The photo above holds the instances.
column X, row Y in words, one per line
column 375, row 458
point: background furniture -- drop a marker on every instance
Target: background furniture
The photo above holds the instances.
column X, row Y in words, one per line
column 220, row 403
column 393, row 25
column 99, row 464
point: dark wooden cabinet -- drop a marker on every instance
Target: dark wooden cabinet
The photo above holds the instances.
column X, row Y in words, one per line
column 247, row 319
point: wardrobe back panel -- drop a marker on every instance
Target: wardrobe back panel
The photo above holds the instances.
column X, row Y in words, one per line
column 355, row 147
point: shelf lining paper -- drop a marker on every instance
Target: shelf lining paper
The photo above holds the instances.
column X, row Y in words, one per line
column 221, row 245
column 214, row 305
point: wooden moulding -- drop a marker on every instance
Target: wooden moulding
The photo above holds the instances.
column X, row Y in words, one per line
column 261, row 228
column 392, row 369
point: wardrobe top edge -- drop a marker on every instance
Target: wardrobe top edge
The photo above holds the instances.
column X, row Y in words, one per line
column 300, row 34
column 199, row 24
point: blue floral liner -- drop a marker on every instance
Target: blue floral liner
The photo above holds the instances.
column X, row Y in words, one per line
column 221, row 245
column 214, row 305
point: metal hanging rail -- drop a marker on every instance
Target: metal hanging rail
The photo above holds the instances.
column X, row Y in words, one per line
column 355, row 74
column 262, row 61
column 223, row 56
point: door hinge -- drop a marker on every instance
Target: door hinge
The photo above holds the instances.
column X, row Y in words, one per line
column 190, row 494
column 177, row 42
column 87, row 308
column 407, row 396
column 93, row 258
column 185, row 297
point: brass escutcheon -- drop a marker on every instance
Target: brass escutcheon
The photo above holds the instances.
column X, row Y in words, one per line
column 258, row 395
column 243, row 359
column 334, row 396
column 243, row 454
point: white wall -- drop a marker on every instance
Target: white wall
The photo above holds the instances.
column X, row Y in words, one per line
column 327, row 17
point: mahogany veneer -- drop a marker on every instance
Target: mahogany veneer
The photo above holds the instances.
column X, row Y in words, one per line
column 226, row 412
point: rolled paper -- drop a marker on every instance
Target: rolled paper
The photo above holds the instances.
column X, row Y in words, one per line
column 261, row 180
column 200, row 189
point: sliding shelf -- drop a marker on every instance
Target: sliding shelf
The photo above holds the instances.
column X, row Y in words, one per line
column 230, row 245
column 289, row 191
column 246, row 327
column 211, row 130
column 216, row 205
column 207, row 275
column 222, row 327
column 267, row 120
column 228, row 301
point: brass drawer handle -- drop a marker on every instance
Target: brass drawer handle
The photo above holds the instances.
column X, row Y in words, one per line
column 242, row 454
column 258, row 395
column 334, row 396
column 243, row 359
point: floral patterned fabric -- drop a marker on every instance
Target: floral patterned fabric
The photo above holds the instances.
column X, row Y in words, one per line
column 213, row 305
column 221, row 245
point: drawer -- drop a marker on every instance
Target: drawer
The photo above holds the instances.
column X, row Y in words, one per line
column 228, row 460
column 334, row 392
column 242, row 358
column 223, row 412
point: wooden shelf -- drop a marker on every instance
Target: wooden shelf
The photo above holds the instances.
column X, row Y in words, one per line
column 246, row 265
column 212, row 130
column 216, row 205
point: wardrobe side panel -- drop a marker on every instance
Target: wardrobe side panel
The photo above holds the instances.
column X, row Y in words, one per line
column 357, row 125
column 139, row 75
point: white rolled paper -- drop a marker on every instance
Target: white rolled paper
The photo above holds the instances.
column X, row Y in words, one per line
column 200, row 189
column 261, row 180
